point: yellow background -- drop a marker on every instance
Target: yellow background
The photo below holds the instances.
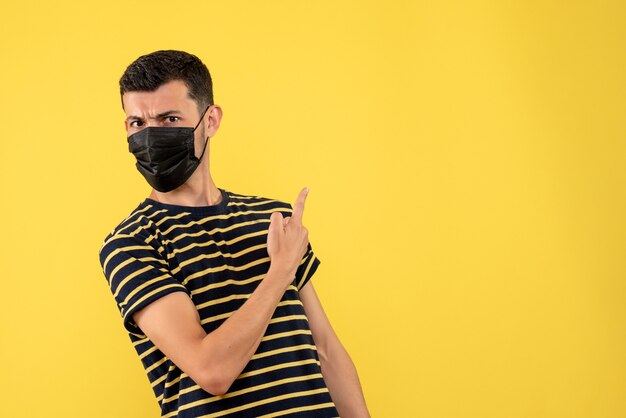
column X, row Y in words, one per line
column 466, row 167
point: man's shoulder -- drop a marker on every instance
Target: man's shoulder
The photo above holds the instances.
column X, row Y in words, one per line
column 131, row 228
column 257, row 201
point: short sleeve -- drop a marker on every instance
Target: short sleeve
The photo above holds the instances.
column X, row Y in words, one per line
column 307, row 267
column 137, row 274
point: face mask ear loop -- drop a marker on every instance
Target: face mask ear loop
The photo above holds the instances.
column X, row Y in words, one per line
column 204, row 149
column 201, row 117
column 207, row 138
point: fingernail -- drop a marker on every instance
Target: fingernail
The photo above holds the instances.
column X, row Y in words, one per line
column 306, row 190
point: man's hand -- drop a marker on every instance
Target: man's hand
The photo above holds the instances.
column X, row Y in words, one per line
column 288, row 239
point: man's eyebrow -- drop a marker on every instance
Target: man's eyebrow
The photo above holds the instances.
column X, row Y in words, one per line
column 160, row 115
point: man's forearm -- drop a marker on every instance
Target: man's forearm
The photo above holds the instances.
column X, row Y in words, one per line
column 343, row 382
column 233, row 343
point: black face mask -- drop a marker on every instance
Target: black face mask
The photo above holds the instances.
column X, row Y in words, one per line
column 166, row 155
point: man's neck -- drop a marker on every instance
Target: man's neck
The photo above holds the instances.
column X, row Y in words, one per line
column 187, row 196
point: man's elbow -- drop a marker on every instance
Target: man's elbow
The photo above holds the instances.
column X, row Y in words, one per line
column 215, row 379
column 214, row 375
column 213, row 383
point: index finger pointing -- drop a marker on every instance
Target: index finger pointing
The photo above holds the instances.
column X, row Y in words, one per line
column 298, row 208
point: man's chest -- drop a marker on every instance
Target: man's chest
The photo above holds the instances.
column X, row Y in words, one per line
column 221, row 261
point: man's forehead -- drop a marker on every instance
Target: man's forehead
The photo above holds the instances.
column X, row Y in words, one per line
column 171, row 96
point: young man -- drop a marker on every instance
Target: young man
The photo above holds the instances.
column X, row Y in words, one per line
column 214, row 287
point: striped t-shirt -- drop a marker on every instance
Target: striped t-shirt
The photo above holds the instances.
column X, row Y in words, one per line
column 217, row 254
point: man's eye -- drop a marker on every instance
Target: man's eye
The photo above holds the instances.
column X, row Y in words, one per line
column 172, row 117
column 135, row 121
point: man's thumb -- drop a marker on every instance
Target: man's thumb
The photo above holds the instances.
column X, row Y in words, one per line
column 276, row 221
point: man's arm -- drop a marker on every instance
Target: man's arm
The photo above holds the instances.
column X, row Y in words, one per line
column 338, row 369
column 216, row 359
column 212, row 360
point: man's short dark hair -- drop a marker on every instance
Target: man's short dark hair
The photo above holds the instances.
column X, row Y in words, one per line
column 150, row 71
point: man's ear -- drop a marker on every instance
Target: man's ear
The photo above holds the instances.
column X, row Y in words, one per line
column 212, row 126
